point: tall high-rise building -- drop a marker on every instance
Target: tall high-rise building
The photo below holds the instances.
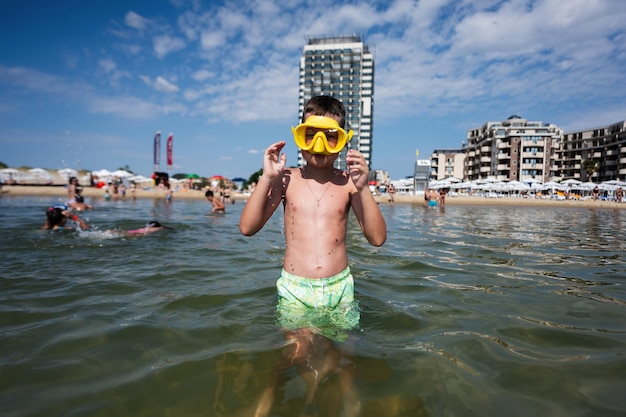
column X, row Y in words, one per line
column 342, row 67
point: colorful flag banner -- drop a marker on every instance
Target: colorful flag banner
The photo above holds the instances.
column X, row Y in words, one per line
column 170, row 150
column 157, row 151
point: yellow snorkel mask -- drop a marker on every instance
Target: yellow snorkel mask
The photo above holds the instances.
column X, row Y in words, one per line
column 321, row 135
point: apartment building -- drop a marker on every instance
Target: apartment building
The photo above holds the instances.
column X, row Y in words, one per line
column 342, row 67
column 517, row 149
column 512, row 150
column 596, row 155
column 447, row 163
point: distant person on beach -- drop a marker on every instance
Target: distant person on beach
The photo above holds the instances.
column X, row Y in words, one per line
column 392, row 192
column 72, row 186
column 78, row 203
column 316, row 288
column 442, row 197
column 57, row 216
column 430, row 198
column 218, row 206
column 596, row 193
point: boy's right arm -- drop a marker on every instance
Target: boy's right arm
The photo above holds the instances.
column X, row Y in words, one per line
column 268, row 193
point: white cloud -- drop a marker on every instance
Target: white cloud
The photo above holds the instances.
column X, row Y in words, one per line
column 159, row 84
column 164, row 45
column 136, row 21
column 202, row 75
column 211, row 39
column 109, row 67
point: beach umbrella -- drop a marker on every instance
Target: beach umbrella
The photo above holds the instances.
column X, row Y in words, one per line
column 193, row 176
column 531, row 181
column 10, row 174
column 121, row 173
column 39, row 172
column 66, row 173
column 615, row 182
column 585, row 186
column 571, row 182
column 551, row 185
column 103, row 173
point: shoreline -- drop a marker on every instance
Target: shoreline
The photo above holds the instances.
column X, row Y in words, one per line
column 92, row 192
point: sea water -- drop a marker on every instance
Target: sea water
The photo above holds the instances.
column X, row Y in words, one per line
column 467, row 311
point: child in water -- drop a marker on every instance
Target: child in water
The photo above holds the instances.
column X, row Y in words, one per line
column 218, row 206
column 57, row 216
column 315, row 288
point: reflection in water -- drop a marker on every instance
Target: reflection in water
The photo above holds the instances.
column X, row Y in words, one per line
column 316, row 381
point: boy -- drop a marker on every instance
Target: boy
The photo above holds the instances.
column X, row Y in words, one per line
column 217, row 204
column 315, row 289
column 56, row 218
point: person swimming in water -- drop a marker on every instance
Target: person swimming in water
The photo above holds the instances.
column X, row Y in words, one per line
column 57, row 216
column 150, row 227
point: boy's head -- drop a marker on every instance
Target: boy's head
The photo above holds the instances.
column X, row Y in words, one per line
column 55, row 216
column 321, row 130
column 209, row 194
column 324, row 105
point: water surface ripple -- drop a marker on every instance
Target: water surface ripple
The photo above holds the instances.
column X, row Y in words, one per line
column 467, row 311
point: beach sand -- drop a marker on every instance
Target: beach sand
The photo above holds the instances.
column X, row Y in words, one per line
column 91, row 192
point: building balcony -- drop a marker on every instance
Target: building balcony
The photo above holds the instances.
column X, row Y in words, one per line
column 535, row 155
column 485, row 149
column 503, row 167
column 485, row 159
column 484, row 170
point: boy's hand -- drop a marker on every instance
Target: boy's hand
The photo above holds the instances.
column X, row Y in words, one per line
column 358, row 168
column 273, row 160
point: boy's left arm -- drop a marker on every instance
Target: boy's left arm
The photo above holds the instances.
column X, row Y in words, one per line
column 365, row 207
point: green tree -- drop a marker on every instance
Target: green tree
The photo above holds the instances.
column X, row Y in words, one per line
column 3, row 165
column 127, row 169
column 590, row 166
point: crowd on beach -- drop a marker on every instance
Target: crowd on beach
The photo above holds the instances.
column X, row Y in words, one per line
column 57, row 215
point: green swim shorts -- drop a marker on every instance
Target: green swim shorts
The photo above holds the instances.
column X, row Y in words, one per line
column 325, row 305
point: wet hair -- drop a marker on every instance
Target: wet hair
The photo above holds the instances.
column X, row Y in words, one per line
column 321, row 105
column 209, row 193
column 154, row 223
column 71, row 179
column 55, row 216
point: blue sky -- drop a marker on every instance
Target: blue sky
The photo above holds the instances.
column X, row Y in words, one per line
column 86, row 84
